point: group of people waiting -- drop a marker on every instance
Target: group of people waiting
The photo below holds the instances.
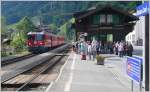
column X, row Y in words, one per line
column 123, row 49
column 92, row 48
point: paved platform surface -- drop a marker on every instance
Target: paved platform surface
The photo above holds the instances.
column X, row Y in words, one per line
column 85, row 76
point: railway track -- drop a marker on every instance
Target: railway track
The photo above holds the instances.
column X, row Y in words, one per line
column 17, row 59
column 49, row 65
column 41, row 68
column 29, row 65
column 10, row 61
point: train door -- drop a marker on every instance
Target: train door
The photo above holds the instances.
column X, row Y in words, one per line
column 30, row 41
column 50, row 39
column 47, row 40
column 53, row 41
column 58, row 40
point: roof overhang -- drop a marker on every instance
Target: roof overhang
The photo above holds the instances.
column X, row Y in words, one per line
column 85, row 14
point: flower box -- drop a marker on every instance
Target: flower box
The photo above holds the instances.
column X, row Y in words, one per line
column 100, row 60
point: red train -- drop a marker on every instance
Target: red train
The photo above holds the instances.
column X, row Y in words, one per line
column 39, row 42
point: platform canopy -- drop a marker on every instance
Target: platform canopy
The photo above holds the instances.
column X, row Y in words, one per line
column 102, row 21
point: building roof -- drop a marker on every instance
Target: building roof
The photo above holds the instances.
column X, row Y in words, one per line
column 106, row 8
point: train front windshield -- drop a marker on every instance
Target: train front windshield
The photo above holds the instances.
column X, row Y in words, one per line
column 31, row 37
column 37, row 37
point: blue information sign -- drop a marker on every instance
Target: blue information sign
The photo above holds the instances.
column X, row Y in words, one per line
column 143, row 9
column 138, row 57
column 134, row 69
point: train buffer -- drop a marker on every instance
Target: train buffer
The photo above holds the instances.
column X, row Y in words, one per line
column 85, row 76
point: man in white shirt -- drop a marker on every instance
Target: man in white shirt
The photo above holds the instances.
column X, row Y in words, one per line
column 89, row 50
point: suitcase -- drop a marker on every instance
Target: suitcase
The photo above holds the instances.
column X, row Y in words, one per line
column 83, row 57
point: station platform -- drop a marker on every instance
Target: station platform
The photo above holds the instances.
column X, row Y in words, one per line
column 86, row 76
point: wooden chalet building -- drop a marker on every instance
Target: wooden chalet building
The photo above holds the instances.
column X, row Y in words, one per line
column 104, row 23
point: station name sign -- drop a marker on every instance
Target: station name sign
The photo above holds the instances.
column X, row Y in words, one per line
column 143, row 9
column 134, row 67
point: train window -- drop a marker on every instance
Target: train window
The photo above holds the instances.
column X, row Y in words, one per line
column 39, row 37
column 31, row 37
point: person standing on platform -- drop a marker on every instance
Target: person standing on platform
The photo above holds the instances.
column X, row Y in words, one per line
column 79, row 48
column 94, row 49
column 130, row 50
column 73, row 46
column 83, row 50
column 111, row 48
column 116, row 48
column 76, row 45
column 89, row 50
column 114, row 52
column 120, row 49
column 97, row 47
column 100, row 46
column 125, row 48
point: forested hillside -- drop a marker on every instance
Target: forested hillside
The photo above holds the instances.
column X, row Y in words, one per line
column 51, row 12
column 56, row 12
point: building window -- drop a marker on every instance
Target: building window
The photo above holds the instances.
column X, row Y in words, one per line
column 133, row 37
column 105, row 19
column 109, row 18
column 102, row 18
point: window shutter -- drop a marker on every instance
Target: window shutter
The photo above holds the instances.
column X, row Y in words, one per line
column 115, row 19
column 96, row 19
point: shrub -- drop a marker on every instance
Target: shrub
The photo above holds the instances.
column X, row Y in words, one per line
column 100, row 60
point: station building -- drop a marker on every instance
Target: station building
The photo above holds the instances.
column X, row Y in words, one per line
column 104, row 23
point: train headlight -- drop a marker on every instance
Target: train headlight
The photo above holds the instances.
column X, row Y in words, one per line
column 29, row 44
column 41, row 43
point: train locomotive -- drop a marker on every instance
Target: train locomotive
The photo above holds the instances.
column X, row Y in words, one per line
column 39, row 42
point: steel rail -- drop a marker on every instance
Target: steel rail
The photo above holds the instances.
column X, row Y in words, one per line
column 8, row 77
column 16, row 59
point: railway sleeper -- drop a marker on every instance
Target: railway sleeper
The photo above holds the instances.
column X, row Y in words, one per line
column 31, row 85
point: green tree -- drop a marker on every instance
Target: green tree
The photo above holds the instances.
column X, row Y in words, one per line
column 18, row 42
column 3, row 25
column 67, row 31
column 63, row 31
column 26, row 25
column 20, row 36
column 53, row 28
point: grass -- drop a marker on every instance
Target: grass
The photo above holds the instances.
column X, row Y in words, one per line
column 9, row 53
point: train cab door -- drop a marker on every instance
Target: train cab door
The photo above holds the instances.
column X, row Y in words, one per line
column 30, row 41
column 50, row 39
column 53, row 40
column 57, row 41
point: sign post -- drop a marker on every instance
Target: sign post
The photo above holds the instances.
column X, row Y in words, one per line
column 134, row 71
column 132, row 85
column 143, row 10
